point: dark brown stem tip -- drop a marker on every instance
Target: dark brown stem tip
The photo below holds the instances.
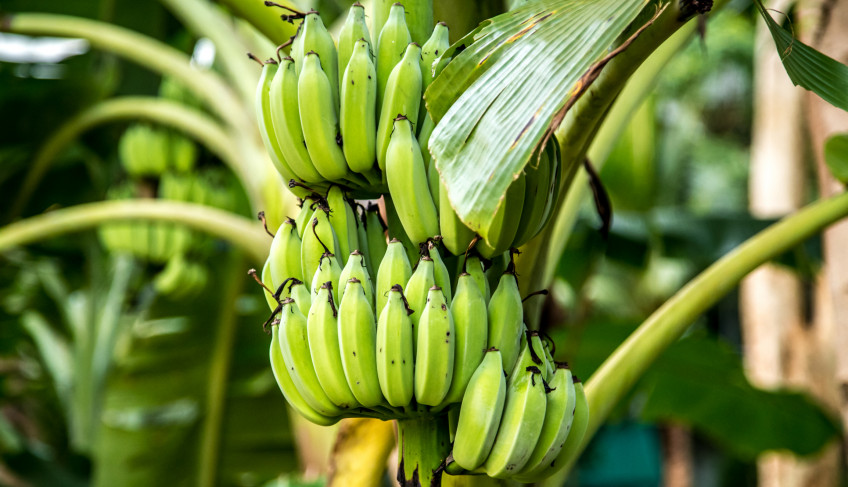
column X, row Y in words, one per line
column 394, row 240
column 492, row 349
column 251, row 272
column 287, row 301
column 356, row 252
column 354, row 280
column 576, row 379
column 312, row 52
column 562, row 365
column 435, row 288
column 463, row 274
column 290, row 221
column 427, row 258
column 357, row 4
column 397, row 287
column 400, row 117
column 442, row 23
column 533, row 369
column 327, row 285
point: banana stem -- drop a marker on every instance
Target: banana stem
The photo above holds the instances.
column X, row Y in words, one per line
column 152, row 54
column 193, row 123
column 424, row 443
column 241, row 232
column 622, row 369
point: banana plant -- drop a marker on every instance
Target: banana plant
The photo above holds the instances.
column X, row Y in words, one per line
column 542, row 71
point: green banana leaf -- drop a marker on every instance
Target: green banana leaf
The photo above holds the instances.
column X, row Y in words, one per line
column 808, row 67
column 498, row 97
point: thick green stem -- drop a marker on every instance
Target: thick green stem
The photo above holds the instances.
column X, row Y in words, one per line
column 423, row 444
column 265, row 19
column 142, row 49
column 625, row 366
column 194, row 123
column 203, row 19
column 241, row 232
column 222, row 354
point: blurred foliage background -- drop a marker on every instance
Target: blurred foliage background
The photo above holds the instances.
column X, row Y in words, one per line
column 107, row 380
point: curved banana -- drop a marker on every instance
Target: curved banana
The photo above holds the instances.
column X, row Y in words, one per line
column 287, row 387
column 323, row 333
column 407, row 182
column 425, row 130
column 456, row 236
column 328, row 271
column 319, row 238
column 394, row 269
column 395, row 228
column 304, row 216
column 402, row 97
column 474, row 266
column 471, row 331
column 375, row 229
column 434, row 350
column 319, row 118
column 521, row 424
column 353, row 30
column 284, row 256
column 284, row 112
column 358, row 345
column 436, row 45
column 358, row 117
column 393, row 39
column 559, row 413
column 356, row 267
column 501, row 231
column 394, row 350
column 440, row 270
column 262, row 103
column 537, row 183
column 301, row 295
column 417, row 290
column 506, row 319
column 294, row 344
column 266, row 280
column 315, row 38
column 480, row 413
column 343, row 220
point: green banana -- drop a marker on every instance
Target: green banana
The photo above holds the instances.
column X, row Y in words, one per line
column 356, row 267
column 323, row 333
column 358, row 345
column 284, row 256
column 304, row 216
column 294, row 344
column 474, row 266
column 480, row 413
column 315, row 38
column 319, row 238
column 284, row 108
column 407, row 182
column 266, row 280
column 358, row 117
column 394, row 269
column 456, row 236
column 425, row 130
column 183, row 152
column 417, row 290
column 328, row 271
column 288, row 388
column 571, row 447
column 559, row 413
column 440, row 270
column 394, row 350
column 391, row 43
column 362, row 232
column 402, row 97
column 299, row 291
column 538, row 177
column 501, row 231
column 436, row 45
column 319, row 118
column 375, row 229
column 521, row 424
column 471, row 332
column 395, row 228
column 262, row 104
column 506, row 319
column 343, row 220
column 434, row 350
column 353, row 30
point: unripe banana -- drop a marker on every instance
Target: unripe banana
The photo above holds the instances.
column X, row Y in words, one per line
column 537, row 184
column 394, row 269
column 417, row 290
column 295, row 347
column 359, row 109
column 304, row 216
column 548, row 366
column 480, row 412
column 172, row 278
column 395, row 228
column 319, row 119
column 392, row 41
column 284, row 256
column 455, row 235
column 402, row 97
column 407, row 182
column 394, row 350
column 301, row 295
column 183, row 152
column 571, row 448
column 521, row 424
column 434, row 350
column 440, row 270
column 353, row 29
column 318, row 238
column 343, row 220
column 358, row 345
column 425, row 130
column 289, row 390
column 506, row 319
column 362, row 232
column 356, row 267
column 436, row 45
column 316, row 39
column 375, row 229
column 559, row 413
column 501, row 232
column 323, row 332
column 471, row 335
column 284, row 112
column 328, row 271
column 266, row 280
column 474, row 266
